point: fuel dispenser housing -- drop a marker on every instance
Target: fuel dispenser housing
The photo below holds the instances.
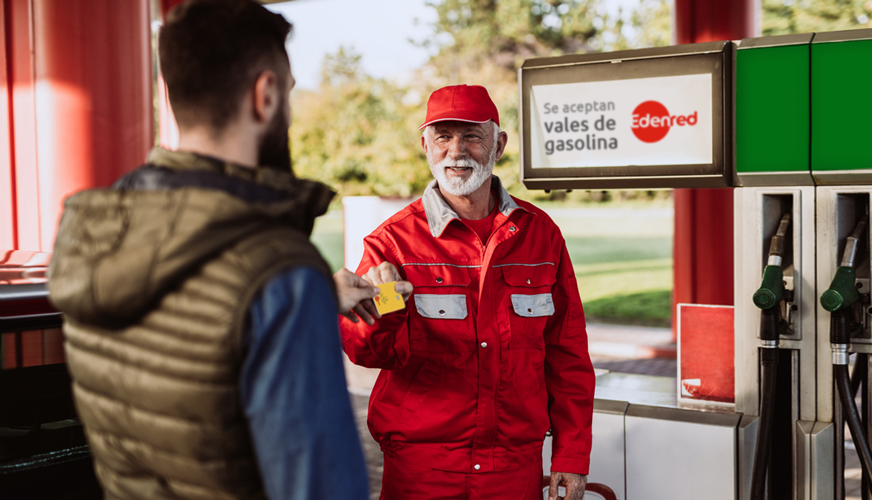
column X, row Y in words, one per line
column 842, row 168
column 758, row 212
column 839, row 210
column 800, row 153
column 772, row 111
column 802, row 148
column 773, row 126
column 841, row 129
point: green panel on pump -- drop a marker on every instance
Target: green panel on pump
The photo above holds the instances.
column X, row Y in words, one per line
column 841, row 92
column 772, row 110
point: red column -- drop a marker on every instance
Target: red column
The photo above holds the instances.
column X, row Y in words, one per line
column 7, row 193
column 697, row 21
column 94, row 102
column 167, row 5
column 22, row 115
column 77, row 107
column 703, row 247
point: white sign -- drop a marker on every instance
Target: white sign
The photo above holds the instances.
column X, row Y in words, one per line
column 361, row 216
column 646, row 121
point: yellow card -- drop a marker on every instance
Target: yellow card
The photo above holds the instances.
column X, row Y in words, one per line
column 388, row 300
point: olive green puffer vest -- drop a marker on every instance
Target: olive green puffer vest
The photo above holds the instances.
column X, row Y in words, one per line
column 155, row 310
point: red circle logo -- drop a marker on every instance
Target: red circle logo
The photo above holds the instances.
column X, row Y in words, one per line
column 650, row 121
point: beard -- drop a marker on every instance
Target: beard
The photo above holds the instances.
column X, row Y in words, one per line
column 459, row 186
column 274, row 150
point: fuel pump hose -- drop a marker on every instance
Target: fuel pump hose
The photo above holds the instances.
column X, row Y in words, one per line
column 768, row 298
column 839, row 340
column 852, row 416
column 768, row 371
column 838, row 299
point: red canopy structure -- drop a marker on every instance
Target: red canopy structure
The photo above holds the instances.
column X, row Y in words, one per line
column 703, row 245
column 77, row 107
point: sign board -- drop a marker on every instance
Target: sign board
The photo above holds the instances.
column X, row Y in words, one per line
column 362, row 215
column 652, row 118
column 706, row 355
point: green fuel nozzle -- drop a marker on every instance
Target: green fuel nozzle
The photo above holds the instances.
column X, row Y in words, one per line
column 771, row 290
column 842, row 292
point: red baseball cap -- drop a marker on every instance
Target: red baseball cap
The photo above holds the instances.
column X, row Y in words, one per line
column 462, row 103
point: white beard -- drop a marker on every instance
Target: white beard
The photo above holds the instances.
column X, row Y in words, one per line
column 458, row 186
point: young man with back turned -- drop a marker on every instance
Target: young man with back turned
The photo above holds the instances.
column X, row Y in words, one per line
column 200, row 322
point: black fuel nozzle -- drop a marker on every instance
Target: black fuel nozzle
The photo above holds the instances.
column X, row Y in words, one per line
column 843, row 292
column 771, row 291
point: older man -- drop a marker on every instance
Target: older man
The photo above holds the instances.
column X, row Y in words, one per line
column 491, row 351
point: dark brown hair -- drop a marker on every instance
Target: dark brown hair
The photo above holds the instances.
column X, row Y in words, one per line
column 211, row 52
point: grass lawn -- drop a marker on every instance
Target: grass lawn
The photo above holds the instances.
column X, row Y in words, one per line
column 622, row 255
column 327, row 237
column 623, row 262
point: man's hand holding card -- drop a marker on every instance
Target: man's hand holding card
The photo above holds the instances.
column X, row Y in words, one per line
column 393, row 291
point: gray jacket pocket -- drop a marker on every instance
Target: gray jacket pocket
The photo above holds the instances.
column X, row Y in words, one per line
column 439, row 306
column 532, row 306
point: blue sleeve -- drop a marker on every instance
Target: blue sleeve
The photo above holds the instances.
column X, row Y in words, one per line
column 295, row 396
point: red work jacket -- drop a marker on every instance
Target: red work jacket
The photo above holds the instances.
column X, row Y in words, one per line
column 491, row 350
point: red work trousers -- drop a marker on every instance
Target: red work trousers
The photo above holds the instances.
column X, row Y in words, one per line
column 405, row 481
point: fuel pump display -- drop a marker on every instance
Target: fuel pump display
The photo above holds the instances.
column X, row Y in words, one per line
column 768, row 298
column 839, row 300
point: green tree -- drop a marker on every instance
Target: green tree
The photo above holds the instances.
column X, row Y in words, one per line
column 486, row 41
column 356, row 133
column 360, row 134
column 781, row 17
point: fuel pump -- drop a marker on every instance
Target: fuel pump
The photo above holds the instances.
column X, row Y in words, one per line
column 768, row 298
column 839, row 300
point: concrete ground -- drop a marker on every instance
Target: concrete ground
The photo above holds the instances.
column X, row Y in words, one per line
column 371, row 452
column 625, row 349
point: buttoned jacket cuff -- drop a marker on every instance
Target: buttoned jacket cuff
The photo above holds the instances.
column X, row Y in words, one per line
column 572, row 465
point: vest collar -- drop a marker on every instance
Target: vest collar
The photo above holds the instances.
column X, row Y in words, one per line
column 311, row 198
column 439, row 213
column 279, row 180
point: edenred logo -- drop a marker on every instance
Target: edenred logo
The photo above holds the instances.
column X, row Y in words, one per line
column 652, row 121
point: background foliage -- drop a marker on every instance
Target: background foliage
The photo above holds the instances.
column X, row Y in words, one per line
column 782, row 17
column 360, row 134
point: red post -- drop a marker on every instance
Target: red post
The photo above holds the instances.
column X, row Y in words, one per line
column 698, row 21
column 78, row 107
column 7, row 200
column 22, row 98
column 94, row 102
column 167, row 5
column 703, row 246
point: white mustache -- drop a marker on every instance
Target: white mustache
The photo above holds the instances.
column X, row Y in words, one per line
column 462, row 163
